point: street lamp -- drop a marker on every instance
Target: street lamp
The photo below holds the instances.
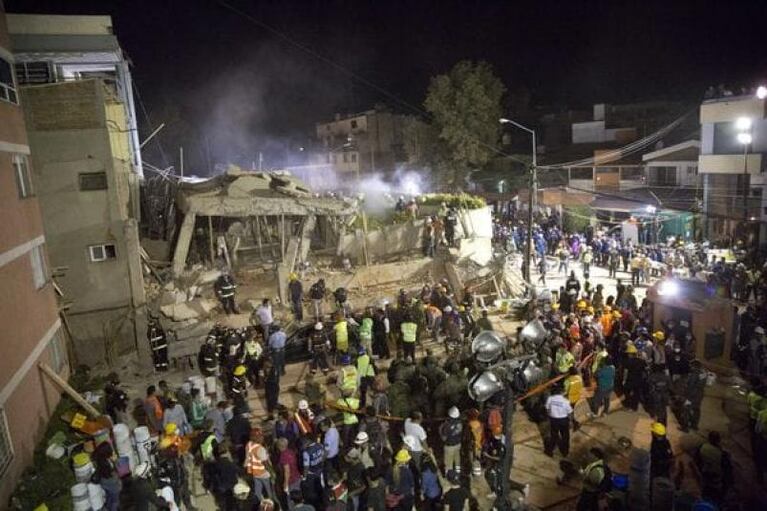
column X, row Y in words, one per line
column 761, row 92
column 533, row 192
column 507, row 378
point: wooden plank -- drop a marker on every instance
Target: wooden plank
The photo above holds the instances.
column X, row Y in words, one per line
column 58, row 380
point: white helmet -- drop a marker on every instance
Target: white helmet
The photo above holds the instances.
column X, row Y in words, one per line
column 303, row 404
column 448, row 309
column 361, row 438
column 318, row 326
column 241, row 490
column 758, row 330
column 453, row 413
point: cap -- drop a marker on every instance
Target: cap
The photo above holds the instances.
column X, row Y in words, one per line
column 402, row 456
column 453, row 413
column 171, row 428
column 361, row 438
column 658, row 429
column 303, row 404
column 240, row 370
column 141, row 470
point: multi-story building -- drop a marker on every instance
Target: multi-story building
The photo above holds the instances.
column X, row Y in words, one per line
column 31, row 331
column 77, row 91
column 367, row 142
column 732, row 163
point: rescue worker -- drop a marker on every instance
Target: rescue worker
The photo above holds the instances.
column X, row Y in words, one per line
column 563, row 360
column 341, row 335
column 207, row 358
column 276, row 346
column 635, row 377
column 756, row 403
column 381, row 327
column 366, row 372
column 296, row 293
column 348, row 377
column 319, row 345
column 225, row 289
column 484, row 323
column 116, row 400
column 313, row 458
column 158, row 342
column 317, row 294
column 253, row 353
column 695, row 385
column 658, row 349
column 349, row 406
column 594, row 482
column 572, row 283
column 573, row 390
column 341, row 297
column 303, row 418
column 451, row 433
column 366, row 331
column 659, row 386
column 715, row 467
column 238, row 383
column 409, row 335
column 661, row 456
column 257, row 465
column 492, row 453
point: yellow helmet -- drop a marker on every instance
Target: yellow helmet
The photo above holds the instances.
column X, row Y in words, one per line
column 659, row 336
column 617, row 314
column 607, row 308
column 461, row 308
column 403, row 456
column 554, row 306
column 658, row 429
column 590, row 309
column 630, row 348
column 171, row 428
column 293, row 276
column 239, row 370
column 581, row 304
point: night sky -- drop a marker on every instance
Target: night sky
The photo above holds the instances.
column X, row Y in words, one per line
column 228, row 85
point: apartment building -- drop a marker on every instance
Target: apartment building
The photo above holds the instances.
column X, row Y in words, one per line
column 366, row 142
column 31, row 331
column 76, row 86
column 732, row 164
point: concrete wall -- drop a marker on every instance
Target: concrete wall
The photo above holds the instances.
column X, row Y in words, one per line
column 70, row 135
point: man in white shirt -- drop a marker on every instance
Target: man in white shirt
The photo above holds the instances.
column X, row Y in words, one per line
column 415, row 437
column 264, row 316
column 559, row 409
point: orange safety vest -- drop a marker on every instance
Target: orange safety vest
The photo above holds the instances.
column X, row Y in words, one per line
column 304, row 424
column 253, row 465
column 607, row 324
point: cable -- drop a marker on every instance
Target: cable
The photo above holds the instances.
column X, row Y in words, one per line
column 149, row 123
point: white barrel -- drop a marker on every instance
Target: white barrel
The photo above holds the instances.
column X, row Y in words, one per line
column 83, row 473
column 211, row 385
column 123, row 443
column 80, row 498
column 96, row 496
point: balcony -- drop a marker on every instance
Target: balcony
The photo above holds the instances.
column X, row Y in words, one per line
column 730, row 108
column 729, row 164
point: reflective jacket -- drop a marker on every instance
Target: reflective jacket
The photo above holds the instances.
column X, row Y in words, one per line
column 253, row 464
column 409, row 331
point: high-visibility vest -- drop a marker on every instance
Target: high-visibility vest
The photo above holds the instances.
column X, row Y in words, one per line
column 598, row 358
column 342, row 336
column 564, row 361
column 206, row 448
column 364, row 367
column 253, row 465
column 756, row 403
column 352, row 403
column 573, row 388
column 366, row 329
column 349, row 378
column 607, row 324
column 304, row 423
column 409, row 331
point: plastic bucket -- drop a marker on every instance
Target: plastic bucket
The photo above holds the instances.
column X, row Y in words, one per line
column 83, row 467
column 80, row 498
column 96, row 496
column 123, row 444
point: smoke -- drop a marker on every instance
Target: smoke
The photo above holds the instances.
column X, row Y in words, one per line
column 381, row 193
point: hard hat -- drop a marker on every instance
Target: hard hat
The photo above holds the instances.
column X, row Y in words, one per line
column 658, row 335
column 461, row 308
column 318, row 326
column 448, row 309
column 453, row 413
column 141, row 470
column 658, row 429
column 303, row 404
column 590, row 309
column 361, row 438
column 240, row 370
column 293, row 276
column 241, row 490
column 617, row 314
column 582, row 304
column 345, row 359
column 554, row 306
column 630, row 348
column 607, row 308
column 759, row 330
column 171, row 428
column 402, row 456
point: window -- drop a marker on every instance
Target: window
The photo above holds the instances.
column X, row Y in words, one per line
column 346, row 158
column 39, row 268
column 58, row 358
column 33, row 73
column 354, row 157
column 93, row 181
column 692, row 170
column 6, row 448
column 23, row 178
column 354, row 124
column 100, row 253
column 7, row 85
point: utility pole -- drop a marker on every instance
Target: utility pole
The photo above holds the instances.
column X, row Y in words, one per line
column 181, row 160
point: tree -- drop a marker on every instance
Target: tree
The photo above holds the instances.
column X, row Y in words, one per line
column 465, row 105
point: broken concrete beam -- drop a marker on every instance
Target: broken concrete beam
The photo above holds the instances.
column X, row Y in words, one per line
column 194, row 331
column 187, row 348
column 207, row 277
column 189, row 310
column 171, row 297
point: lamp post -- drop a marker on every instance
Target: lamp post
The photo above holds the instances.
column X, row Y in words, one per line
column 744, row 137
column 507, row 378
column 533, row 192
